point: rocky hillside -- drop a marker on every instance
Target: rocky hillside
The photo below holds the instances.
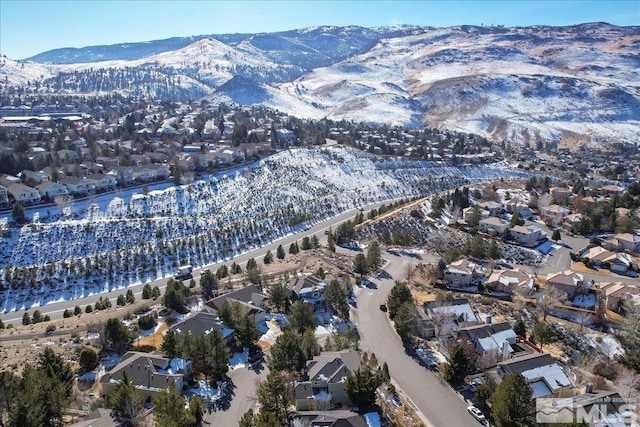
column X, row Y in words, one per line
column 577, row 85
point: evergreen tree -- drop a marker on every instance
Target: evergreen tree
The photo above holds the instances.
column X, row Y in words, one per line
column 520, row 328
column 360, row 387
column 120, row 301
column 208, row 284
column 336, row 298
column 512, row 403
column 251, row 264
column 374, row 259
column 293, row 248
column 302, row 317
column 88, row 359
column 170, row 344
column 458, row 366
column 278, row 297
column 77, row 310
column 306, row 243
column 268, row 258
column 287, row 354
column 399, row 294
column 127, row 402
column 117, row 335
column 360, row 265
column 406, row 321
column 19, row 214
column 130, row 298
column 146, row 291
column 309, row 344
column 543, row 334
column 272, row 397
column 315, row 242
column 26, row 318
column 168, row 408
column 196, row 410
column 280, row 252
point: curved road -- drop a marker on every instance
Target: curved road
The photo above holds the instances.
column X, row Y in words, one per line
column 438, row 403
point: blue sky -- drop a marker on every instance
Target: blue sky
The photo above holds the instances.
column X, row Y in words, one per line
column 28, row 27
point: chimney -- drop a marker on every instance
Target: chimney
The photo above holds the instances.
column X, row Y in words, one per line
column 589, row 388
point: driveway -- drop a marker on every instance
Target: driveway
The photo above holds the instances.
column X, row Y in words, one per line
column 242, row 399
column 439, row 405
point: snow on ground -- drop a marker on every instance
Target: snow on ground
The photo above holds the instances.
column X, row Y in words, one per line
column 239, row 360
column 205, row 391
column 114, row 240
column 585, row 301
column 605, row 344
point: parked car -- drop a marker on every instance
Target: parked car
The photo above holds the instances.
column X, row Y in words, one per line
column 478, row 415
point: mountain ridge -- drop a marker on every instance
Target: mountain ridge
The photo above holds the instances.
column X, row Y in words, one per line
column 526, row 84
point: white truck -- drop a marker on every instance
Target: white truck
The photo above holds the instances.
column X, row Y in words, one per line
column 184, row 272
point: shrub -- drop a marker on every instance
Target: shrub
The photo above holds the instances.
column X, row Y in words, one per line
column 147, row 322
column 605, row 370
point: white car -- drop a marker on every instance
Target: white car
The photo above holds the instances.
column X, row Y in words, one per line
column 477, row 414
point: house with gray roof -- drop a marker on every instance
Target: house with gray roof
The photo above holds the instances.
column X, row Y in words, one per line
column 492, row 342
column 251, row 297
column 546, row 376
column 443, row 318
column 325, row 376
column 338, row 418
column 150, row 373
column 202, row 323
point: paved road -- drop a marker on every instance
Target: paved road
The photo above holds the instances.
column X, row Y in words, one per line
column 244, row 398
column 441, row 406
column 560, row 260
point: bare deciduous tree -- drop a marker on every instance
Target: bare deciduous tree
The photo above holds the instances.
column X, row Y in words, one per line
column 549, row 298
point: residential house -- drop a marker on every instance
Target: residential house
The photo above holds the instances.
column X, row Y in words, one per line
column 571, row 222
column 76, row 185
column 616, row 295
column 511, row 282
column 546, row 376
column 492, row 207
column 123, row 174
column 67, row 156
column 4, row 196
column 51, row 190
column 149, row 373
column 527, row 236
column 513, row 206
column 464, row 273
column 554, row 213
column 494, row 226
column 202, row 323
column 467, row 213
column 623, row 242
column 23, row 194
column 34, row 177
column 325, row 376
column 617, row 262
column 442, row 318
column 611, row 190
column 569, row 282
column 144, row 173
column 337, row 418
column 492, row 342
column 251, row 297
column 309, row 289
column 103, row 182
column 561, row 195
column 161, row 171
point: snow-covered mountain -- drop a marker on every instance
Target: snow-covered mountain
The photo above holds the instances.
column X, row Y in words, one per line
column 576, row 85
